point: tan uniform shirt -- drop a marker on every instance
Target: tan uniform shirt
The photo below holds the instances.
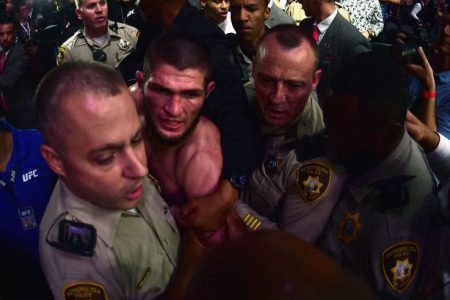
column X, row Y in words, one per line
column 297, row 197
column 280, row 196
column 120, row 42
column 134, row 256
column 381, row 227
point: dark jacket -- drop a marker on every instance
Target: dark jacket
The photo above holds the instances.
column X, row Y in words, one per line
column 341, row 41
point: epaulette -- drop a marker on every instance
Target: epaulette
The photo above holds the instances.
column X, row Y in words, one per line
column 114, row 27
column 393, row 192
column 308, row 147
column 68, row 43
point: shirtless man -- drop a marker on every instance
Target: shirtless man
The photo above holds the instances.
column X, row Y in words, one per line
column 183, row 147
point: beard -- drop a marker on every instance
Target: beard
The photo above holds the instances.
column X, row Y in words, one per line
column 159, row 138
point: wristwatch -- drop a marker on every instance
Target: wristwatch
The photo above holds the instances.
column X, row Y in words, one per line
column 239, row 181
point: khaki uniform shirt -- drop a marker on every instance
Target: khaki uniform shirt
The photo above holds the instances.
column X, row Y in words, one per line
column 120, row 42
column 381, row 225
column 296, row 197
column 134, row 256
column 280, row 196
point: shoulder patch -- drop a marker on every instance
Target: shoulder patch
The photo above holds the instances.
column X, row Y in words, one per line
column 399, row 263
column 60, row 56
column 80, row 290
column 313, row 181
column 252, row 222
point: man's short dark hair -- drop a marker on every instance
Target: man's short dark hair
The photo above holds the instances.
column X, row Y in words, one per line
column 72, row 78
column 17, row 4
column 180, row 50
column 289, row 36
column 377, row 81
column 4, row 20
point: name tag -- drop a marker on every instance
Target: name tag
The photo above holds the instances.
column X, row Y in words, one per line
column 27, row 218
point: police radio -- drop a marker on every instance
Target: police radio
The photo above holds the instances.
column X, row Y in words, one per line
column 75, row 237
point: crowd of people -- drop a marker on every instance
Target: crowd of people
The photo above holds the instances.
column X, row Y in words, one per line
column 224, row 149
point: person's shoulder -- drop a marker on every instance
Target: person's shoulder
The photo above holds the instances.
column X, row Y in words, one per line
column 125, row 28
column 70, row 42
column 192, row 21
column 306, row 23
column 126, row 32
column 205, row 137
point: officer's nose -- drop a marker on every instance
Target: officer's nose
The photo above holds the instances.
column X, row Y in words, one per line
column 279, row 95
column 135, row 162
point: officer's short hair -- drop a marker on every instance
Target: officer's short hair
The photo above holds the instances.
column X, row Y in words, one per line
column 180, row 50
column 377, row 81
column 289, row 36
column 66, row 80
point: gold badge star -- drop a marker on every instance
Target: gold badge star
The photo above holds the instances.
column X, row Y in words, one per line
column 348, row 227
column 402, row 270
column 313, row 184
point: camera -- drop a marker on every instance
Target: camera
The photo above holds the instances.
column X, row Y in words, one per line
column 77, row 237
column 416, row 36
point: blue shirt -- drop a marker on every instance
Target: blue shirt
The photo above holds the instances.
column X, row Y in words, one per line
column 442, row 101
column 25, row 188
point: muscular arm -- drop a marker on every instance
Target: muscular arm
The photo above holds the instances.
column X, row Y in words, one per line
column 202, row 173
column 198, row 172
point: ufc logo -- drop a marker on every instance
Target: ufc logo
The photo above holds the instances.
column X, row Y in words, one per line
column 31, row 174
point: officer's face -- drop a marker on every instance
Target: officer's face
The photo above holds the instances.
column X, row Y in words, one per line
column 284, row 80
column 7, row 35
column 353, row 137
column 103, row 160
column 216, row 10
column 94, row 14
column 248, row 17
column 174, row 99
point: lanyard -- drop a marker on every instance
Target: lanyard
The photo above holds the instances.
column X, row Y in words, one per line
column 9, row 185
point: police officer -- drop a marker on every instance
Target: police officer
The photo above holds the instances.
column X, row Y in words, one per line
column 106, row 232
column 286, row 106
column 100, row 40
column 381, row 224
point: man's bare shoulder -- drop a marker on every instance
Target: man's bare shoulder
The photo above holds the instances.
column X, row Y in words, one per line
column 206, row 137
column 201, row 156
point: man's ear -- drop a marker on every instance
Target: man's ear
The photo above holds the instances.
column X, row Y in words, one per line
column 267, row 13
column 53, row 160
column 316, row 78
column 140, row 79
column 202, row 4
column 209, row 88
column 78, row 13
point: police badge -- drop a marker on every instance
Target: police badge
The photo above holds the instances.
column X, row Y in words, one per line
column 399, row 263
column 124, row 44
column 313, row 181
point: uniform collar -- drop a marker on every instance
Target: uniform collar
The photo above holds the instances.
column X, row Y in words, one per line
column 292, row 128
column 109, row 33
column 359, row 186
column 105, row 221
